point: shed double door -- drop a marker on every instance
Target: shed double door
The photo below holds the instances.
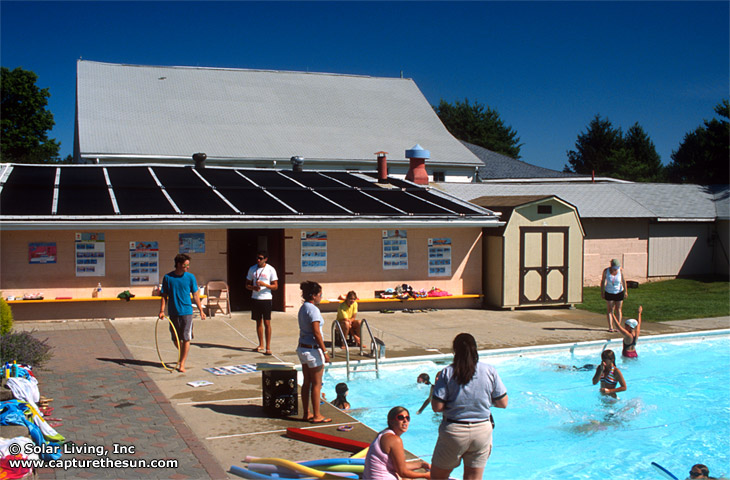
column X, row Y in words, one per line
column 543, row 265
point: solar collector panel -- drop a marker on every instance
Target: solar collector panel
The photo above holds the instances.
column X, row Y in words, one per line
column 28, row 191
column 83, row 191
column 137, row 193
column 358, row 202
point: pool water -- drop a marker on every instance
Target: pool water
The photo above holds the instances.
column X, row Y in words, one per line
column 675, row 412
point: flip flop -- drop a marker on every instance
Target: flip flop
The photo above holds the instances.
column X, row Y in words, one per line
column 268, row 352
column 260, row 350
column 324, row 420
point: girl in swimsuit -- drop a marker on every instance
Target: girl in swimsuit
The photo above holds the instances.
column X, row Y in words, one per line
column 631, row 334
column 609, row 375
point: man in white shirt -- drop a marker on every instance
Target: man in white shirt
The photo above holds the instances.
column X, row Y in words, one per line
column 262, row 280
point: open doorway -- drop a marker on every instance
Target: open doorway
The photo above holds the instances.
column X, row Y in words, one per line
column 242, row 248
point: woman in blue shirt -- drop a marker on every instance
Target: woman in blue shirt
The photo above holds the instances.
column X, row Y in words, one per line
column 311, row 350
column 465, row 391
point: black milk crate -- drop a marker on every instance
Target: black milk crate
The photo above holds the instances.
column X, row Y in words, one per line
column 279, row 392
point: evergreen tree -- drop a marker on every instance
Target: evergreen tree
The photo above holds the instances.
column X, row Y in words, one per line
column 24, row 120
column 606, row 151
column 480, row 125
column 704, row 154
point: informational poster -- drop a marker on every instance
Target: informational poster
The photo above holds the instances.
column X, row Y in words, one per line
column 191, row 243
column 144, row 265
column 439, row 257
column 314, row 251
column 90, row 256
column 395, row 250
column 42, row 253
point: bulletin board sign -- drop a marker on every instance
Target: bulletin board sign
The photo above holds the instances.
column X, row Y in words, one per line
column 395, row 250
column 439, row 257
column 90, row 255
column 191, row 243
column 144, row 263
column 40, row 253
column 314, row 251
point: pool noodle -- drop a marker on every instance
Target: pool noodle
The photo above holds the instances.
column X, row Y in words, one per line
column 246, row 473
column 664, row 471
column 362, row 453
column 333, row 461
column 299, row 468
column 269, row 469
column 344, row 468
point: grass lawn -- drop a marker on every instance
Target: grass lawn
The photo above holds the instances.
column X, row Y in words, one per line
column 678, row 299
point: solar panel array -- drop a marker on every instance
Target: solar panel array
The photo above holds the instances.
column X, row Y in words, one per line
column 98, row 190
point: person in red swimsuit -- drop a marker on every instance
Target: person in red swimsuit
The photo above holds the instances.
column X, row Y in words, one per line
column 631, row 335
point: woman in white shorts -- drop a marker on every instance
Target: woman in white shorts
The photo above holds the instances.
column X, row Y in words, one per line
column 465, row 391
column 311, row 351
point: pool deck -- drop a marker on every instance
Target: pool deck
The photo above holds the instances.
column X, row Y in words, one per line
column 109, row 387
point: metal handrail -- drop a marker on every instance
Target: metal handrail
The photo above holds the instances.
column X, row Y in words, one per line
column 374, row 346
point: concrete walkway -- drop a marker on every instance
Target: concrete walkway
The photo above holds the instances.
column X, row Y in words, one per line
column 109, row 387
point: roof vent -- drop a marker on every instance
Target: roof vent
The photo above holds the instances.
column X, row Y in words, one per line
column 417, row 168
column 382, row 167
column 199, row 159
column 296, row 163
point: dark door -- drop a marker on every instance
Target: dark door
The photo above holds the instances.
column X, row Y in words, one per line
column 242, row 248
column 543, row 265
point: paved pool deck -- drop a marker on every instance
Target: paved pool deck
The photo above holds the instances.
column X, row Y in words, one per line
column 109, row 387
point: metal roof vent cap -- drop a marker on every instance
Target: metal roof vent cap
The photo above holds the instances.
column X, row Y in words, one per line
column 297, row 163
column 199, row 159
column 417, row 168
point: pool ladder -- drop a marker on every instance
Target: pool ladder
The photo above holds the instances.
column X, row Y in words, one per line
column 377, row 346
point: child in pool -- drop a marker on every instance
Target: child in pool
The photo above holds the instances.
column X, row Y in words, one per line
column 609, row 375
column 341, row 400
column 631, row 335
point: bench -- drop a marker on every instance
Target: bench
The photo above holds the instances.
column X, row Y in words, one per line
column 77, row 308
column 461, row 301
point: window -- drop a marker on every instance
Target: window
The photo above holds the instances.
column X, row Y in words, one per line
column 545, row 209
column 439, row 176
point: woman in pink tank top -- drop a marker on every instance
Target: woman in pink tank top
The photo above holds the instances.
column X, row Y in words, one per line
column 386, row 459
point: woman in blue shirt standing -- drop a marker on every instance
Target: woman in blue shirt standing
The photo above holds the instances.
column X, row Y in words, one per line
column 465, row 392
column 311, row 350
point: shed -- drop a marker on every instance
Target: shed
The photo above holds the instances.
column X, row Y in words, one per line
column 536, row 258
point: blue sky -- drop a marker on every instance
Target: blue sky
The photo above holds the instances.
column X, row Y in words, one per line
column 547, row 67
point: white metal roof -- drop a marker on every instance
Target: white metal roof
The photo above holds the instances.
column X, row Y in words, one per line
column 161, row 112
column 612, row 200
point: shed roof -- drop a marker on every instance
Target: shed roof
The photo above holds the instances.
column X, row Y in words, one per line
column 159, row 195
column 614, row 200
column 160, row 113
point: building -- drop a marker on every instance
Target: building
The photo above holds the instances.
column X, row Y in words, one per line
column 657, row 231
column 64, row 229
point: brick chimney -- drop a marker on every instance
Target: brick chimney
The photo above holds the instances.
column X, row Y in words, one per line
column 382, row 167
column 417, row 169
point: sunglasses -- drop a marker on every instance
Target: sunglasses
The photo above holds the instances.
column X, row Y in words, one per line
column 260, row 258
column 402, row 417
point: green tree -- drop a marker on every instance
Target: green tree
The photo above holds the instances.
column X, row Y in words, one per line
column 606, row 151
column 640, row 162
column 24, row 120
column 480, row 125
column 704, row 154
column 596, row 149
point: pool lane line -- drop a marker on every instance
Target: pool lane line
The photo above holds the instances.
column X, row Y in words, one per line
column 234, row 435
column 221, row 401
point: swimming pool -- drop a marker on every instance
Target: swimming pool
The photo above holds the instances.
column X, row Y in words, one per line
column 676, row 411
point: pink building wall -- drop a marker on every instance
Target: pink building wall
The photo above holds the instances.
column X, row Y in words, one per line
column 626, row 240
column 355, row 262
